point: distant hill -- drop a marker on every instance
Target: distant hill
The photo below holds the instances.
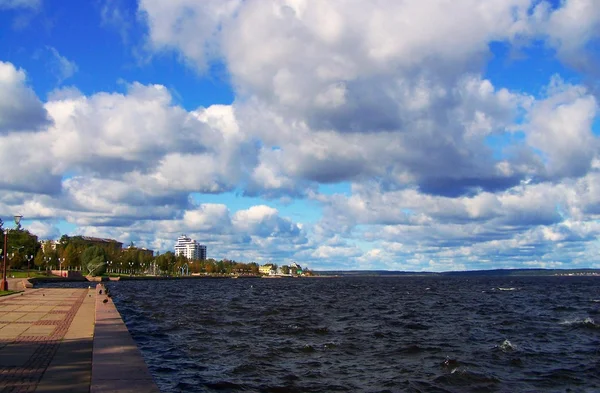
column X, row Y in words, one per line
column 372, row 273
column 492, row 272
column 524, row 272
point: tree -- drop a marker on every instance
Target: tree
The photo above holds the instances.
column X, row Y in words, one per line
column 21, row 243
column 253, row 267
column 307, row 272
column 64, row 240
column 93, row 261
column 180, row 263
column 166, row 262
column 285, row 269
column 16, row 260
column 144, row 260
column 71, row 256
column 209, row 267
column 39, row 259
column 129, row 259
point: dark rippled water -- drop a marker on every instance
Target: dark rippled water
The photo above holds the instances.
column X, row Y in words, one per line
column 380, row 334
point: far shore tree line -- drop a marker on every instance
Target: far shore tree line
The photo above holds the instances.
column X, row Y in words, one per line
column 76, row 253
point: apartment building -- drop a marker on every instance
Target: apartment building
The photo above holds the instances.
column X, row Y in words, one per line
column 190, row 248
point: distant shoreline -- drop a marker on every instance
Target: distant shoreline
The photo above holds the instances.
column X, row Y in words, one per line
column 345, row 274
column 587, row 272
column 53, row 279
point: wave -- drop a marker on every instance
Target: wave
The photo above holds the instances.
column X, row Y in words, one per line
column 563, row 308
column 334, row 337
column 588, row 323
column 451, row 364
column 506, row 346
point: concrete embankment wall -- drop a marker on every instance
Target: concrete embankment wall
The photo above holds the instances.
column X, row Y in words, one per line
column 117, row 365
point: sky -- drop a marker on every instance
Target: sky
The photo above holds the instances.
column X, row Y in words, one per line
column 417, row 135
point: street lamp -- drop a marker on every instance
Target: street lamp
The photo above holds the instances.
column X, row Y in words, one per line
column 47, row 262
column 60, row 262
column 130, row 268
column 11, row 257
column 109, row 263
column 29, row 258
column 4, row 282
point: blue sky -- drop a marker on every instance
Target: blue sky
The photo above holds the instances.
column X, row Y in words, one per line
column 409, row 135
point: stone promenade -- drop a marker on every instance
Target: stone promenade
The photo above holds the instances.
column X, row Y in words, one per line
column 67, row 340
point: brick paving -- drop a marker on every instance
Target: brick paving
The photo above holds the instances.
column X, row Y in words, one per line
column 33, row 325
column 68, row 340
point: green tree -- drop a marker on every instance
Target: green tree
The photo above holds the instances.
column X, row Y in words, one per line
column 180, row 262
column 15, row 260
column 71, row 257
column 129, row 260
column 39, row 259
column 21, row 243
column 50, row 257
column 170, row 261
column 144, row 261
column 64, row 240
column 285, row 269
column 253, row 267
column 166, row 262
column 93, row 261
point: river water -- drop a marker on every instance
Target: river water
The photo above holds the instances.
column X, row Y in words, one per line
column 367, row 334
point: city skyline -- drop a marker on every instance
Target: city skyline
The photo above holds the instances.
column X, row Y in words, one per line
column 414, row 135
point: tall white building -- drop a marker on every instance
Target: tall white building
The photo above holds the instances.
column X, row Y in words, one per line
column 189, row 248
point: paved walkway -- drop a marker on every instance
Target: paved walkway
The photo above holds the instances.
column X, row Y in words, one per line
column 49, row 342
column 17, row 284
column 118, row 366
column 40, row 327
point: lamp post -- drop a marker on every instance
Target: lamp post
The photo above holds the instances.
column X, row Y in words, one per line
column 29, row 258
column 130, row 268
column 4, row 282
column 60, row 262
column 11, row 257
column 109, row 263
column 47, row 262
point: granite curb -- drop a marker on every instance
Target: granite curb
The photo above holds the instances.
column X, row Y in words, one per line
column 117, row 363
